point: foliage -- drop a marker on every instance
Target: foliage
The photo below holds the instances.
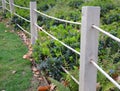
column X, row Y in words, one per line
column 109, row 50
column 24, row 13
column 112, row 16
column 60, row 86
column 73, row 86
column 51, row 54
column 75, row 4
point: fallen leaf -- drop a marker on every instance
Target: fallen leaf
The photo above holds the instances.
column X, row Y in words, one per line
column 44, row 88
column 36, row 75
column 29, row 53
column 31, row 59
column 25, row 56
column 37, row 72
column 12, row 31
column 34, row 69
column 40, row 78
column 52, row 87
column 3, row 90
column 13, row 72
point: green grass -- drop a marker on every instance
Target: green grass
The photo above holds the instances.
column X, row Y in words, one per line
column 12, row 50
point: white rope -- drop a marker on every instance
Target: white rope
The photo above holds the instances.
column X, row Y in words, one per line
column 22, row 17
column 70, row 75
column 58, row 40
column 62, row 20
column 7, row 9
column 23, row 30
column 105, row 74
column 20, row 6
column 7, row 2
column 106, row 33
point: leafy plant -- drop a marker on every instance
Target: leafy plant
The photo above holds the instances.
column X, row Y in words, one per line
column 52, row 54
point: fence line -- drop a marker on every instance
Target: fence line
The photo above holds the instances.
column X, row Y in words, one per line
column 22, row 17
column 89, row 48
column 19, row 16
column 70, row 75
column 23, row 30
column 33, row 19
column 106, row 33
column 89, row 42
column 106, row 75
column 7, row 9
column 62, row 20
column 20, row 7
column 7, row 2
column 57, row 39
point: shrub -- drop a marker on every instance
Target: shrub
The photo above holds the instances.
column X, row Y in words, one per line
column 52, row 54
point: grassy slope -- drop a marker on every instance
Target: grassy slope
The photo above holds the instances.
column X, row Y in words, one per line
column 11, row 51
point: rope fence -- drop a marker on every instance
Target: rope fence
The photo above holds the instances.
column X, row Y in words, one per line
column 23, row 29
column 20, row 7
column 106, row 33
column 7, row 2
column 62, row 20
column 7, row 9
column 57, row 40
column 19, row 15
column 70, row 75
column 89, row 40
column 106, row 75
column 22, row 17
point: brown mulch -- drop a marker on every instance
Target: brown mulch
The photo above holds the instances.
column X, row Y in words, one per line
column 38, row 80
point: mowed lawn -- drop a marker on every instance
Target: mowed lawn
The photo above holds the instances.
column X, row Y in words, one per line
column 15, row 72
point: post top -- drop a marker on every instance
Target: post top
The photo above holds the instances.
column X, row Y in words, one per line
column 91, row 7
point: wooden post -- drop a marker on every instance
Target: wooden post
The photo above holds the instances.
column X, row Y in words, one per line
column 3, row 5
column 89, row 48
column 33, row 19
column 11, row 6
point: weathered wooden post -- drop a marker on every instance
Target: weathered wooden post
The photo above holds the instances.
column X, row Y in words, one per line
column 89, row 48
column 3, row 5
column 33, row 20
column 11, row 6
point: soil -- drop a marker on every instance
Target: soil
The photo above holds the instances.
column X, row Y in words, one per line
column 38, row 79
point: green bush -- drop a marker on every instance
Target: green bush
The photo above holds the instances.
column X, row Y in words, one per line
column 112, row 16
column 52, row 54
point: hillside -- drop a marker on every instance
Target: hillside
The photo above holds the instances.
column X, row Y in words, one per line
column 50, row 54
